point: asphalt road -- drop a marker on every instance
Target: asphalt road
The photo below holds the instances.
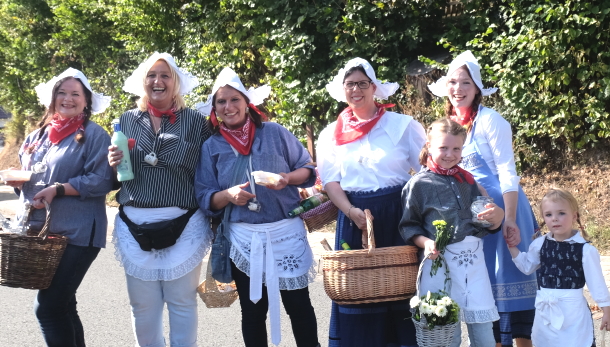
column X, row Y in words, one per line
column 105, row 312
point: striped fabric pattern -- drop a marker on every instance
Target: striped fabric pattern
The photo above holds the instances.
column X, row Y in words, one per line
column 171, row 181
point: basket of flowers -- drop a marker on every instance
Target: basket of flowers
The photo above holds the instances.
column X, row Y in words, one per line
column 435, row 315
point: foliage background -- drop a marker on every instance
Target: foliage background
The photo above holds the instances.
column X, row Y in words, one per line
column 549, row 58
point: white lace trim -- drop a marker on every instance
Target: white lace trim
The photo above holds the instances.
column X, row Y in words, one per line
column 286, row 283
column 481, row 316
column 163, row 274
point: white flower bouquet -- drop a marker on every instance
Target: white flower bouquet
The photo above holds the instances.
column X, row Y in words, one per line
column 435, row 309
column 435, row 316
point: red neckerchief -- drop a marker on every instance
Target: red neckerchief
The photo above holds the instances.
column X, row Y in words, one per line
column 155, row 112
column 60, row 128
column 454, row 171
column 466, row 120
column 349, row 128
column 241, row 139
column 214, row 118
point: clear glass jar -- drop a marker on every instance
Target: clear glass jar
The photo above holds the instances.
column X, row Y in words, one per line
column 478, row 206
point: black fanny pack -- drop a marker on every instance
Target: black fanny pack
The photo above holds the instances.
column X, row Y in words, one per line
column 157, row 235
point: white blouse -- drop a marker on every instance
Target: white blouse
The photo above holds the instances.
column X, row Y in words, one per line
column 494, row 138
column 529, row 261
column 382, row 158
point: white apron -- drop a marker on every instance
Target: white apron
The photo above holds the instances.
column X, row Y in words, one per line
column 277, row 254
column 562, row 319
column 470, row 286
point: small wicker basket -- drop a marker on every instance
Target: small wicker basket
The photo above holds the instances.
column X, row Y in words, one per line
column 320, row 216
column 30, row 262
column 440, row 335
column 370, row 275
column 211, row 295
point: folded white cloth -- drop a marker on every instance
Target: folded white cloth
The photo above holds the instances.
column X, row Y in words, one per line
column 44, row 91
column 439, row 88
column 228, row 77
column 336, row 90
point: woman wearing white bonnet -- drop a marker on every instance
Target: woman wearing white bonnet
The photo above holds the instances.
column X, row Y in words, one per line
column 488, row 155
column 364, row 159
column 270, row 254
column 164, row 269
column 68, row 159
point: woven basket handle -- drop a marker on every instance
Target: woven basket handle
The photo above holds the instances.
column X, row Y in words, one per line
column 210, row 282
column 446, row 287
column 369, row 230
column 45, row 229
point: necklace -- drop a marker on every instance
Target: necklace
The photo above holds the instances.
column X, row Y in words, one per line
column 151, row 158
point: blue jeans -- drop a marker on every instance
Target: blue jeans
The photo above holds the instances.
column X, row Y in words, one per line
column 479, row 334
column 55, row 307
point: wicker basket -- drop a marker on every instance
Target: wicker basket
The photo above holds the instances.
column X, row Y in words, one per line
column 30, row 262
column 320, row 216
column 370, row 275
column 210, row 293
column 440, row 335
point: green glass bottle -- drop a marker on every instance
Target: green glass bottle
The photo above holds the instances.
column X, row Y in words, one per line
column 308, row 204
column 344, row 245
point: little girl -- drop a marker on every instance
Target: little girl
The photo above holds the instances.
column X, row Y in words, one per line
column 565, row 262
column 446, row 191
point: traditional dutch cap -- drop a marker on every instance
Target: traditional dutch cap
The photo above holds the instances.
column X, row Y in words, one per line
column 99, row 102
column 134, row 84
column 228, row 77
column 335, row 87
column 439, row 88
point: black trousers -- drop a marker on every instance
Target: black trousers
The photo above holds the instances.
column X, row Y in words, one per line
column 254, row 316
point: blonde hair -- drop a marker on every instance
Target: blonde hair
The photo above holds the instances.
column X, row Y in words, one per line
column 177, row 97
column 444, row 126
column 555, row 194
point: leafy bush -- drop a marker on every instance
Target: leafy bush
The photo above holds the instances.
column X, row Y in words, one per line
column 550, row 60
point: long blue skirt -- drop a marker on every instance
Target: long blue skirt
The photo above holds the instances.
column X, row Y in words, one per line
column 378, row 324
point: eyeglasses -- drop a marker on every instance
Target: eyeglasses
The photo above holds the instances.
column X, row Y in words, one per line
column 361, row 85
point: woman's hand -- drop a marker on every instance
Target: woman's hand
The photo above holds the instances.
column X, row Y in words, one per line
column 357, row 216
column 14, row 184
column 238, row 196
column 281, row 184
column 46, row 194
column 114, row 155
column 511, row 232
column 494, row 215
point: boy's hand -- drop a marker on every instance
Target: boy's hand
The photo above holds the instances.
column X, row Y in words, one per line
column 605, row 324
column 430, row 248
column 494, row 215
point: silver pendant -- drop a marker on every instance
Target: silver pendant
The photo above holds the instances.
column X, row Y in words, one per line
column 39, row 168
column 254, row 206
column 151, row 159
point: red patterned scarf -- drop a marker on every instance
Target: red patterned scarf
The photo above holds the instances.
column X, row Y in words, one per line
column 155, row 112
column 455, row 171
column 60, row 128
column 466, row 120
column 349, row 128
column 241, row 139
